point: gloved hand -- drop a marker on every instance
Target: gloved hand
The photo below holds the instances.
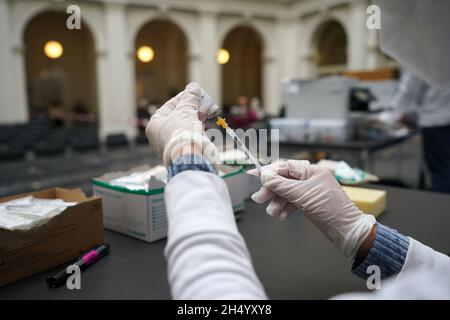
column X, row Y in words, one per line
column 176, row 125
column 315, row 190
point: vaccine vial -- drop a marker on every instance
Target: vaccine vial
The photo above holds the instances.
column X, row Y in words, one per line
column 207, row 109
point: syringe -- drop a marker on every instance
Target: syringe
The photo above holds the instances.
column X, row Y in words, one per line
column 222, row 123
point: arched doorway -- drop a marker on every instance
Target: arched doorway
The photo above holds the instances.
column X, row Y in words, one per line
column 161, row 62
column 242, row 73
column 330, row 43
column 60, row 68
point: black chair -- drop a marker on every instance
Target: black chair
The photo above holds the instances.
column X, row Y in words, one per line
column 116, row 140
column 11, row 151
column 30, row 134
column 85, row 140
column 141, row 138
column 50, row 146
column 7, row 133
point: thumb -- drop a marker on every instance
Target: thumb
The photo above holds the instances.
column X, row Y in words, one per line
column 253, row 172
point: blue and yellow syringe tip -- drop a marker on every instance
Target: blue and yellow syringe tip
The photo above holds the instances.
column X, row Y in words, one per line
column 221, row 122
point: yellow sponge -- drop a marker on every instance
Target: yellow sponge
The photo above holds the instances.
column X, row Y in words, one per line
column 367, row 200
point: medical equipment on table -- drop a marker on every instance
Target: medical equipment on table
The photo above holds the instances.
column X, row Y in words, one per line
column 222, row 123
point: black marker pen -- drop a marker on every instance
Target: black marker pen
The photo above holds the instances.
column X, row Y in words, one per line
column 83, row 263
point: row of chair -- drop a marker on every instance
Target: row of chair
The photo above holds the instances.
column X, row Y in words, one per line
column 41, row 140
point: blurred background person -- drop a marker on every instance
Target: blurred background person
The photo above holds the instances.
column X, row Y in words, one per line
column 143, row 114
column 80, row 114
column 257, row 108
column 432, row 107
column 56, row 114
column 242, row 116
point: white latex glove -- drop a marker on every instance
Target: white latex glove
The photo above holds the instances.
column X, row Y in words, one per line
column 297, row 184
column 176, row 125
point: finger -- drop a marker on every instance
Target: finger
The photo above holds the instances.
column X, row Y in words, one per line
column 278, row 165
column 276, row 206
column 288, row 209
column 267, row 176
column 253, row 172
column 296, row 168
column 262, row 195
column 169, row 106
column 270, row 167
column 279, row 185
column 191, row 97
column 313, row 170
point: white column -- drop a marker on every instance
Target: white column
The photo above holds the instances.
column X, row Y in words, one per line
column 116, row 98
column 306, row 52
column 374, row 59
column 103, row 91
column 271, row 84
column 13, row 101
column 209, row 70
column 288, row 62
column 357, row 30
column 289, row 38
column 195, row 67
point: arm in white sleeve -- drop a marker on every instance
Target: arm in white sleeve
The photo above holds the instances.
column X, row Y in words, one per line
column 422, row 257
column 409, row 93
column 425, row 273
column 207, row 257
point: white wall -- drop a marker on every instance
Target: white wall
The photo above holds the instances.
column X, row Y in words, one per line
column 13, row 105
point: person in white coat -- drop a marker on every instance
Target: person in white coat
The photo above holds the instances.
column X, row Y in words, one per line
column 207, row 257
column 432, row 107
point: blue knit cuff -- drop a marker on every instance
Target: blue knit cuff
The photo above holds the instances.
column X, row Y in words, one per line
column 189, row 162
column 388, row 253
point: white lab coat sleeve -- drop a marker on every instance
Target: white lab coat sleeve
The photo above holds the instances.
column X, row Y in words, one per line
column 409, row 93
column 207, row 257
column 425, row 275
column 420, row 256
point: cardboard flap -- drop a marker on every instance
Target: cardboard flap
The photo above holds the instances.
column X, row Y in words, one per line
column 68, row 195
column 74, row 195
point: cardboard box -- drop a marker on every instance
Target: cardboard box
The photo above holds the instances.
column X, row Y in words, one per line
column 142, row 214
column 250, row 183
column 253, row 182
column 62, row 239
column 237, row 181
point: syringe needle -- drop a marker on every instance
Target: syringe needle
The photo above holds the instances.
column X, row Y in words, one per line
column 221, row 122
column 243, row 148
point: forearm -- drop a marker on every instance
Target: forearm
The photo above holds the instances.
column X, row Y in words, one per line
column 409, row 93
column 207, row 257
